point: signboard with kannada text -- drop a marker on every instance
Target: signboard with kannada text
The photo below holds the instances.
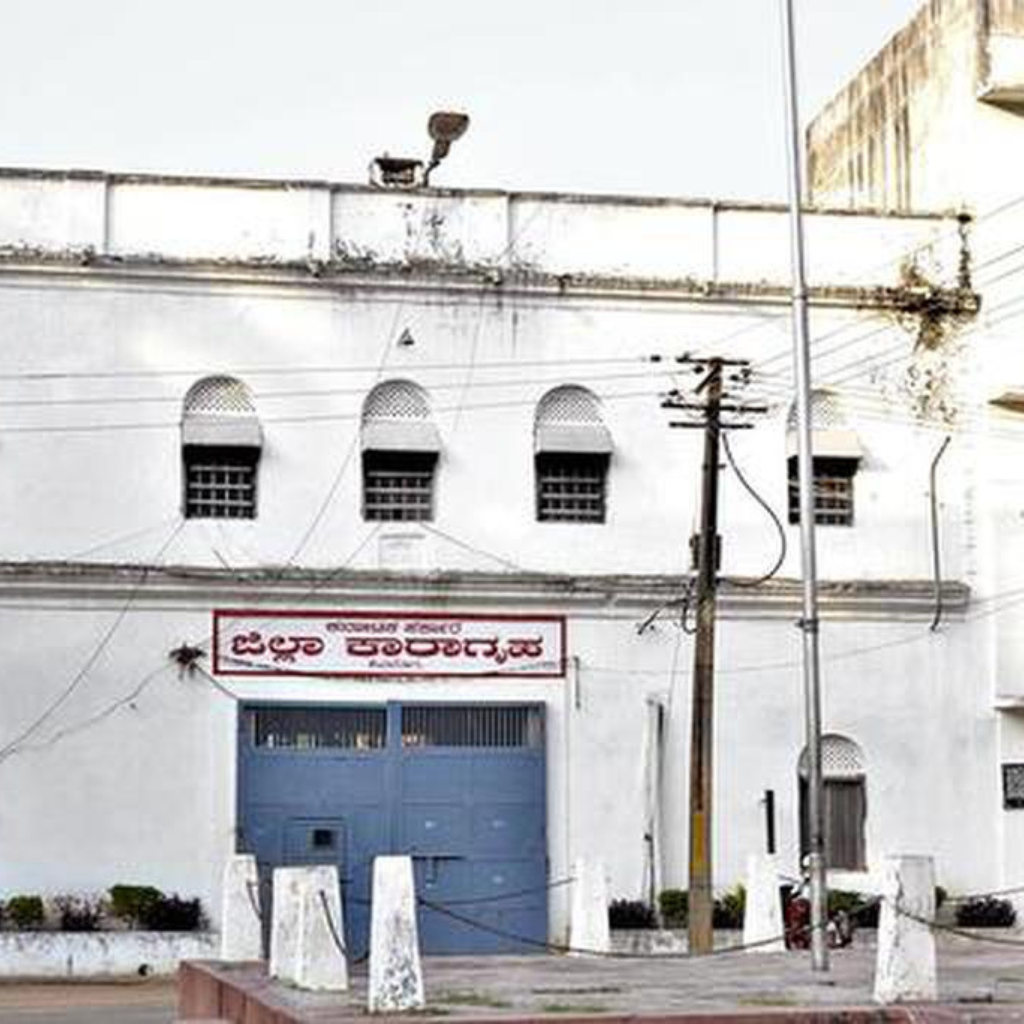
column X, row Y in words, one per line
column 357, row 644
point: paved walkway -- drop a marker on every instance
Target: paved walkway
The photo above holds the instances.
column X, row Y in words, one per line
column 131, row 1002
column 986, row 977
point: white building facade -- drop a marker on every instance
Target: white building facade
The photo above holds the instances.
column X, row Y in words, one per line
column 343, row 520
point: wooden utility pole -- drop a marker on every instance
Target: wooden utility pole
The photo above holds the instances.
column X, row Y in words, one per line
column 701, row 936
column 701, row 901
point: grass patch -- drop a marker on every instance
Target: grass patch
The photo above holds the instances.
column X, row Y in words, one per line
column 766, row 999
column 471, row 999
column 574, row 1008
column 595, row 990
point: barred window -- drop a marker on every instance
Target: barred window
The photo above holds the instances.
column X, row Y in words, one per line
column 400, row 451
column 572, row 451
column 300, row 728
column 1013, row 786
column 221, row 445
column 837, row 454
column 398, row 486
column 571, row 487
column 833, row 491
column 443, row 725
column 220, row 483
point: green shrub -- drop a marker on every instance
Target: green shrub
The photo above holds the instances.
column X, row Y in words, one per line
column 985, row 912
column 132, row 902
column 24, row 913
column 78, row 913
column 630, row 914
column 728, row 909
column 673, row 905
column 173, row 914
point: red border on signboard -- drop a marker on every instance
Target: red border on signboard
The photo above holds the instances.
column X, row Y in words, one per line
column 264, row 613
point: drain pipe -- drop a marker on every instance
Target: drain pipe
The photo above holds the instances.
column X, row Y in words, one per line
column 936, row 557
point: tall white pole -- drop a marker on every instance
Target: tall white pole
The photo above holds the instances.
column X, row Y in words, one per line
column 805, row 465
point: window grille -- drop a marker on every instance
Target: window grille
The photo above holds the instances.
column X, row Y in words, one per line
column 221, row 441
column 220, row 483
column 833, row 491
column 299, row 728
column 398, row 486
column 487, row 726
column 400, row 449
column 1013, row 786
column 573, row 448
column 571, row 487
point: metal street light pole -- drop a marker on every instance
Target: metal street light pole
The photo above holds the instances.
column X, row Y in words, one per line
column 805, row 466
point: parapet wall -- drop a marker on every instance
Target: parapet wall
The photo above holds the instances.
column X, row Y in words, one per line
column 92, row 218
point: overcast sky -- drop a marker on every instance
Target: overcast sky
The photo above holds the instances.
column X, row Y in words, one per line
column 671, row 97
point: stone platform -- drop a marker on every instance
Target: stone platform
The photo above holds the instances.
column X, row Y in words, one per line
column 978, row 981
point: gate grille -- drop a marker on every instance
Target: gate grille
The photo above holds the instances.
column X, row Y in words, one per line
column 452, row 726
column 311, row 728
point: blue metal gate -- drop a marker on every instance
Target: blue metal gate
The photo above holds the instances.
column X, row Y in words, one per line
column 460, row 788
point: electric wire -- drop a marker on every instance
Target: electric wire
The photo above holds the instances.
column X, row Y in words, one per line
column 346, row 417
column 318, row 370
column 655, row 370
column 779, row 528
column 83, row 672
column 18, row 746
column 390, row 340
column 904, row 255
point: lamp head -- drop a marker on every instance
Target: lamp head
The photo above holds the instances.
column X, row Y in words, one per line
column 444, row 127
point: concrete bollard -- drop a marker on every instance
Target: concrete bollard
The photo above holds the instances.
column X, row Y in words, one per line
column 396, row 976
column 905, row 964
column 762, row 915
column 588, row 922
column 284, row 923
column 241, row 937
column 320, row 963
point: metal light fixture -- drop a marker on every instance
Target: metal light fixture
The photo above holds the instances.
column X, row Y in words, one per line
column 444, row 127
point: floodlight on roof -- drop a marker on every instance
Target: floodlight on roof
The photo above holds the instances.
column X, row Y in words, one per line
column 444, row 127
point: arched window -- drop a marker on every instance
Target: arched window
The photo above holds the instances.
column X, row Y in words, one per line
column 837, row 454
column 400, row 448
column 572, row 448
column 845, row 802
column 221, row 442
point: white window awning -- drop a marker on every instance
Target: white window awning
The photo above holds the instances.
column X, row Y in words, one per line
column 400, row 435
column 829, row 444
column 225, row 430
column 590, row 438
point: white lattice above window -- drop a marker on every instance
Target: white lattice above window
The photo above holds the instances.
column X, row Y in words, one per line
column 218, row 395
column 841, row 758
column 568, row 419
column 569, row 404
column 826, row 412
column 219, row 410
column 396, row 399
column 396, row 417
column 833, row 437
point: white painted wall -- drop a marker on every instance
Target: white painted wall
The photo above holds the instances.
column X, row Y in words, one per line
column 964, row 65
column 122, row 784
column 100, row 954
column 147, row 794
